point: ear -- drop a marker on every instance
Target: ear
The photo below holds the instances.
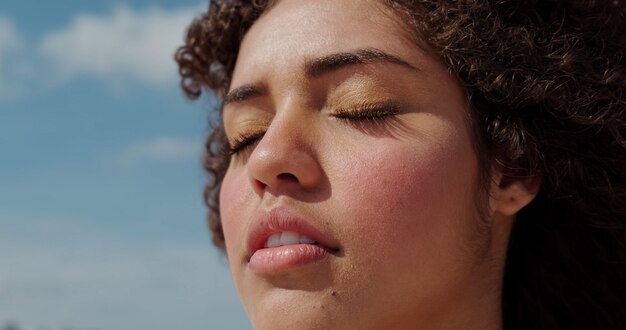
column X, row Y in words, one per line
column 508, row 196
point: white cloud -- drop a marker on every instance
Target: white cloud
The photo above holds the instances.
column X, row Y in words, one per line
column 10, row 43
column 125, row 44
column 8, row 35
column 162, row 148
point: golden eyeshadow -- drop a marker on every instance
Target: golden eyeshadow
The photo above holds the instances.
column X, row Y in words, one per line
column 361, row 90
column 249, row 126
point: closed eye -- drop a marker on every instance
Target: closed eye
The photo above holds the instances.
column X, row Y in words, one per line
column 367, row 112
column 375, row 119
column 244, row 142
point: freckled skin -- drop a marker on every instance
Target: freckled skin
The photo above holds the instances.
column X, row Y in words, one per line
column 400, row 199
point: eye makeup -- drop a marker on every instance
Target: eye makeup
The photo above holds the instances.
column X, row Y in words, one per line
column 367, row 111
column 248, row 133
column 243, row 142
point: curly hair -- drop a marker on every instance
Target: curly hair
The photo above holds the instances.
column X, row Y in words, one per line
column 546, row 81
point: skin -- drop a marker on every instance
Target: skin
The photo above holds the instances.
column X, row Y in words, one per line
column 399, row 196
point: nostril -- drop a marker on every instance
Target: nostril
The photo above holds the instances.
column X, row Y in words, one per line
column 287, row 177
column 259, row 186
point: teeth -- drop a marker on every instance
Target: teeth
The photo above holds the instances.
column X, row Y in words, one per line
column 273, row 240
column 287, row 238
column 305, row 240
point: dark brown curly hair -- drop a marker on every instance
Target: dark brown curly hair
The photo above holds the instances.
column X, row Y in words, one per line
column 546, row 80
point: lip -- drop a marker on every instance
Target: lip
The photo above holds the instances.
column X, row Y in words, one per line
column 275, row 260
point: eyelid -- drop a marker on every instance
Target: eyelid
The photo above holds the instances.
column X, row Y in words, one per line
column 243, row 142
column 247, row 133
column 367, row 110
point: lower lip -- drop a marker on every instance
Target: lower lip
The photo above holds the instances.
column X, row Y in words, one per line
column 280, row 259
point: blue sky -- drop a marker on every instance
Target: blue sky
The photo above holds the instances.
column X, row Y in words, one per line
column 101, row 217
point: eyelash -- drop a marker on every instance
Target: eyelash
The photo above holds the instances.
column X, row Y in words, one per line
column 368, row 112
column 243, row 142
column 361, row 114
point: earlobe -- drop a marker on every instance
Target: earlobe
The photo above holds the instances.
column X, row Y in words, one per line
column 508, row 196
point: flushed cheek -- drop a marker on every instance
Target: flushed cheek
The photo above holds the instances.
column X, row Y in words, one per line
column 234, row 199
column 407, row 195
column 401, row 212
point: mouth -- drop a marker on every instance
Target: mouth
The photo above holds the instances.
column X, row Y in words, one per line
column 281, row 241
column 287, row 238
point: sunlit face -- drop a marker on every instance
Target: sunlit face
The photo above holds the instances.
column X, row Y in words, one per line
column 351, row 197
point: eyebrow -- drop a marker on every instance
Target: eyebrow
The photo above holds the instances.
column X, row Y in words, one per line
column 319, row 66
column 243, row 93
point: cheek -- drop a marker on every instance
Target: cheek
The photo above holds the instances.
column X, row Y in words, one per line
column 232, row 201
column 415, row 196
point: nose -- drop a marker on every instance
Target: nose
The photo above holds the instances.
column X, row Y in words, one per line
column 285, row 160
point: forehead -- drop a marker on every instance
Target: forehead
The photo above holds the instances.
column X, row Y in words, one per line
column 293, row 31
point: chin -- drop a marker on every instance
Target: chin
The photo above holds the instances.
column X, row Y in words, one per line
column 296, row 309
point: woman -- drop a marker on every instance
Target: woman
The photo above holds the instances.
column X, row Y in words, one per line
column 418, row 164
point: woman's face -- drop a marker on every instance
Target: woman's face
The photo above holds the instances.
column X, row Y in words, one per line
column 351, row 198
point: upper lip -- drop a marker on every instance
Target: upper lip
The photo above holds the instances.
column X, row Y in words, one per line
column 281, row 220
